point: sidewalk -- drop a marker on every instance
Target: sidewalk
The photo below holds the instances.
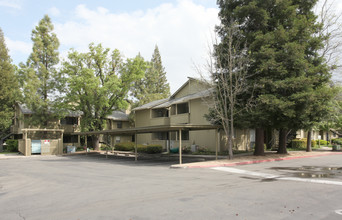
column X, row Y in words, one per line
column 251, row 159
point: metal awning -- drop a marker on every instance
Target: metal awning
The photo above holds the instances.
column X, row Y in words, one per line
column 151, row 129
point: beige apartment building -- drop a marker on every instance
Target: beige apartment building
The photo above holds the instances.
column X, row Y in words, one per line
column 187, row 106
column 59, row 134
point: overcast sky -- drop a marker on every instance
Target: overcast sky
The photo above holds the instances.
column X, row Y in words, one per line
column 182, row 29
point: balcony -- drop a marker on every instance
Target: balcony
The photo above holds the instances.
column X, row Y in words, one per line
column 160, row 121
column 180, row 119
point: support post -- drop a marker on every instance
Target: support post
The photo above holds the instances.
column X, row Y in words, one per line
column 180, row 146
column 25, row 143
column 217, row 142
column 136, row 147
column 86, row 144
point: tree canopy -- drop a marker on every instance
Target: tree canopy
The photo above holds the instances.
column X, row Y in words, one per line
column 39, row 76
column 97, row 82
column 153, row 85
column 9, row 90
column 286, row 68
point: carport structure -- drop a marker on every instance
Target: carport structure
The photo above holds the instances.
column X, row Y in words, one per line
column 159, row 128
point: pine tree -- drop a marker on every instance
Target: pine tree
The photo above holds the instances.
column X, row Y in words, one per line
column 286, row 68
column 39, row 75
column 8, row 87
column 154, row 85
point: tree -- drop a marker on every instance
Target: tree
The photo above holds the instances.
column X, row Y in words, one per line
column 228, row 70
column 9, row 89
column 154, row 85
column 283, row 38
column 97, row 83
column 39, row 75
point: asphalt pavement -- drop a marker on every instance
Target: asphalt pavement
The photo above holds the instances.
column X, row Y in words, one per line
column 93, row 187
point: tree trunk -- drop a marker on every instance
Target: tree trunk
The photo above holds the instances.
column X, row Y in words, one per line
column 259, row 142
column 96, row 142
column 308, row 142
column 269, row 138
column 282, row 141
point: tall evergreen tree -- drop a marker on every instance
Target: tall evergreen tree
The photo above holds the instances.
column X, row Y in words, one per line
column 286, row 68
column 39, row 75
column 9, row 91
column 154, row 85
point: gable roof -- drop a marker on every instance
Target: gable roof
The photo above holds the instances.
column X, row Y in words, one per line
column 151, row 104
column 118, row 116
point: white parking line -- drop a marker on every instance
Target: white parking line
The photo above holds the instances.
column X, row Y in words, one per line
column 339, row 212
column 271, row 176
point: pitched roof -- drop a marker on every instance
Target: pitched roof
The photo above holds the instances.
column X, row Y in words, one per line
column 151, row 104
column 118, row 116
column 25, row 110
column 164, row 103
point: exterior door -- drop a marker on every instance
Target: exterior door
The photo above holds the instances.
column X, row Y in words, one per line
column 36, row 147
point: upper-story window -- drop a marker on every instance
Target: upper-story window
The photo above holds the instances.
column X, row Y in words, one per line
column 119, row 124
column 182, row 108
column 69, row 121
column 160, row 112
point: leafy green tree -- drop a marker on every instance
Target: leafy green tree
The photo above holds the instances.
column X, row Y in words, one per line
column 9, row 90
column 98, row 82
column 283, row 38
column 39, row 75
column 154, row 85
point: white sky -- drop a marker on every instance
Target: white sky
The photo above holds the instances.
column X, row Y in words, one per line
column 182, row 29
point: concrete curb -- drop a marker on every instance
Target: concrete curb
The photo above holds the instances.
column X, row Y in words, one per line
column 249, row 162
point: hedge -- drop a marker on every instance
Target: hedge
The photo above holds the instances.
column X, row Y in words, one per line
column 125, row 146
column 148, row 149
column 11, row 145
column 322, row 142
column 301, row 143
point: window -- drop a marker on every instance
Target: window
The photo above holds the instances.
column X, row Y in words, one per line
column 69, row 121
column 119, row 124
column 160, row 136
column 185, row 135
column 117, row 139
column 182, row 108
column 70, row 139
column 160, row 112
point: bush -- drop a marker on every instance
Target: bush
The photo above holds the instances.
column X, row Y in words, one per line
column 125, row 146
column 337, row 141
column 322, row 142
column 301, row 143
column 149, row 149
column 11, row 145
column 298, row 143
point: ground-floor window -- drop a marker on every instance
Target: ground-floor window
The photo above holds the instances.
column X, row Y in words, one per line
column 70, row 138
column 160, row 136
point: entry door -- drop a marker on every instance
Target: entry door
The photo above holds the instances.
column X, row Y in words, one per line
column 36, row 147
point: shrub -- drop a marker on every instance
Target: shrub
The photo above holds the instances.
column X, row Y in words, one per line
column 11, row 145
column 298, row 143
column 149, row 149
column 154, row 149
column 125, row 146
column 301, row 143
column 322, row 142
column 186, row 150
column 337, row 141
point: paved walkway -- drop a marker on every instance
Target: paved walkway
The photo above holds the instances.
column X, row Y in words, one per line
column 251, row 159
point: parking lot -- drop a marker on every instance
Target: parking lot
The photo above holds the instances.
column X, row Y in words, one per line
column 93, row 187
